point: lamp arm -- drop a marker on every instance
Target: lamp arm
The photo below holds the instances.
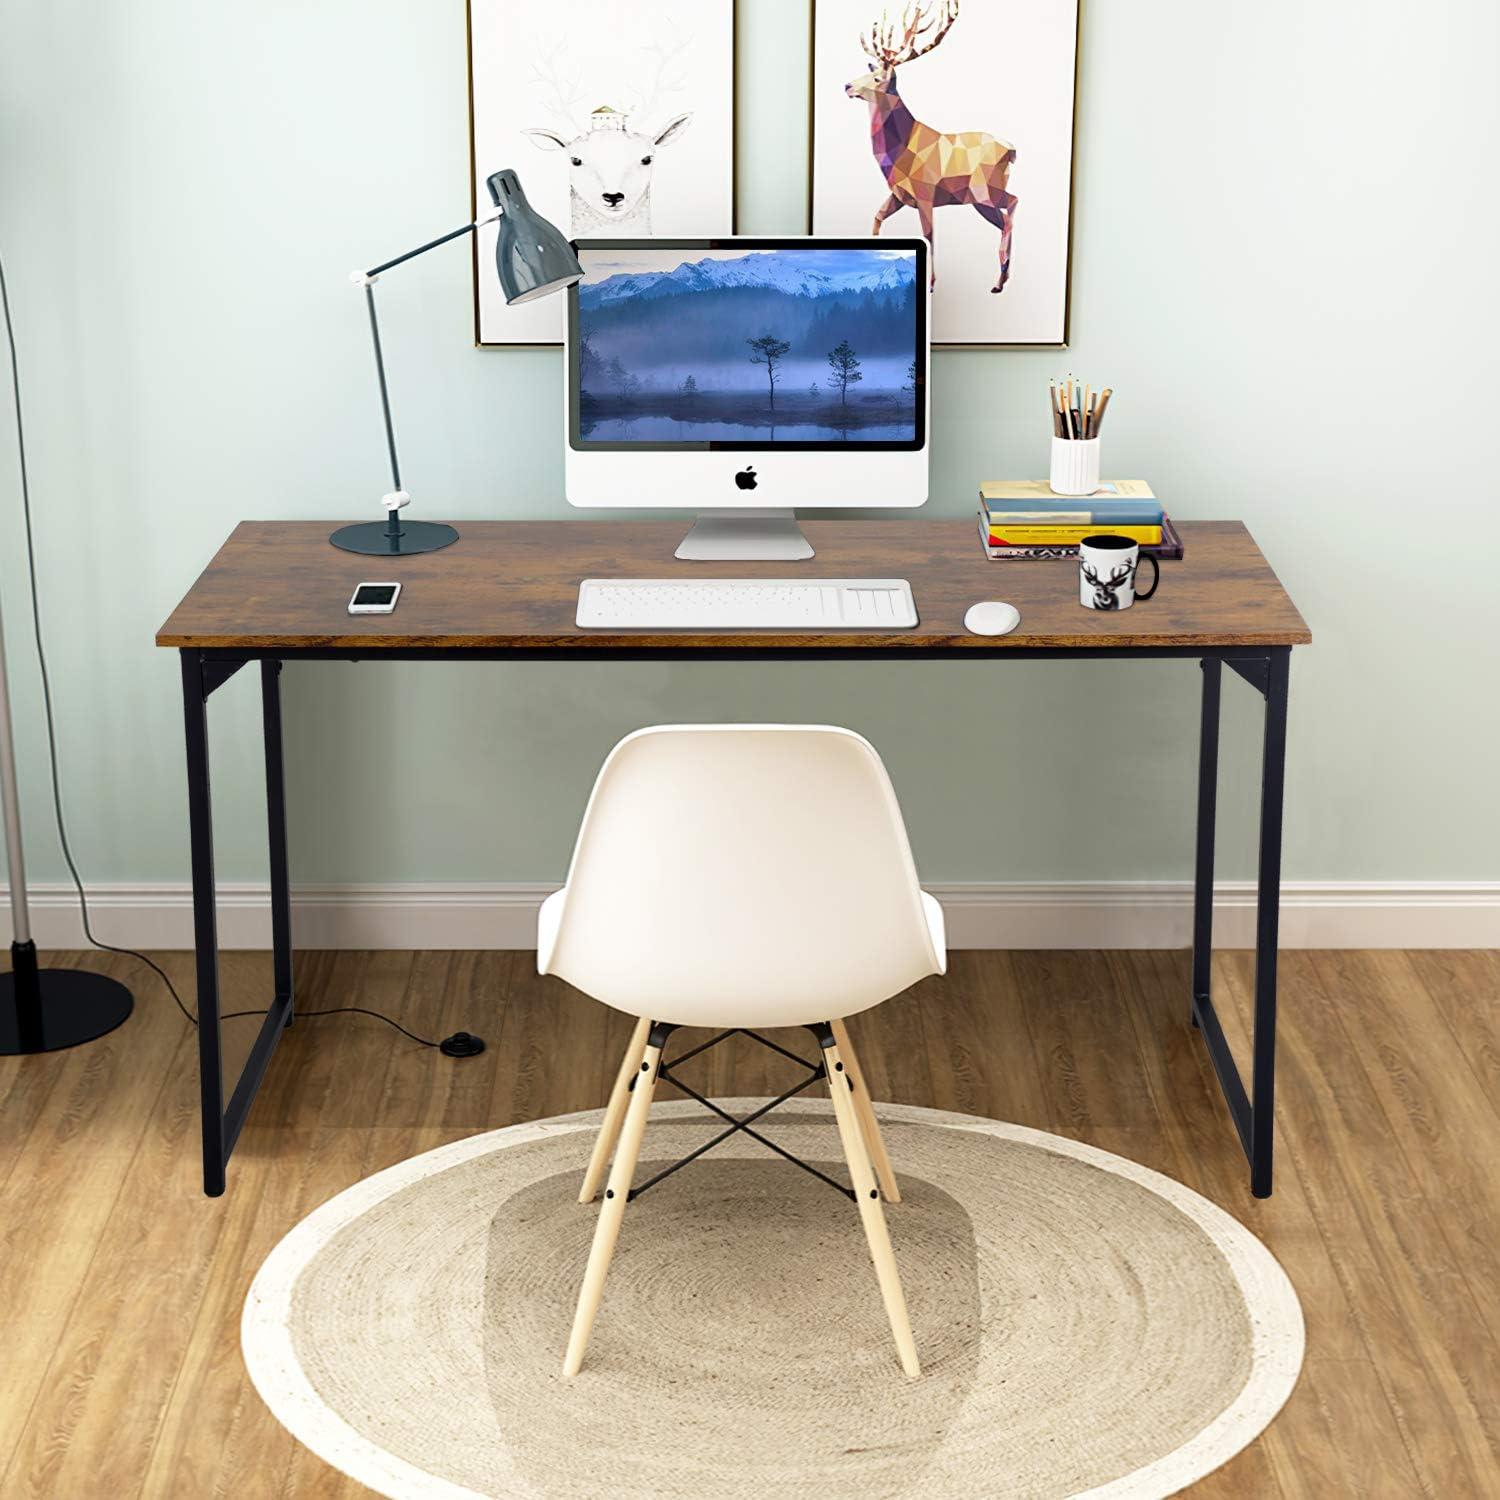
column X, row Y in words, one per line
column 443, row 239
column 398, row 496
column 367, row 279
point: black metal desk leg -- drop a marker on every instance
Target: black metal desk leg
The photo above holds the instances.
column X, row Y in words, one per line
column 1267, row 920
column 1203, row 867
column 281, row 900
column 205, row 921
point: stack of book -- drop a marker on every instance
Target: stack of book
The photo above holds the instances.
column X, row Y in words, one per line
column 1020, row 518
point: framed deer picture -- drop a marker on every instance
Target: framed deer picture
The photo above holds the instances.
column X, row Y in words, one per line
column 619, row 117
column 954, row 119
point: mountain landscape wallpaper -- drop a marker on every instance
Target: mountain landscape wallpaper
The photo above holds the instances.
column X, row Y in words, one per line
column 803, row 345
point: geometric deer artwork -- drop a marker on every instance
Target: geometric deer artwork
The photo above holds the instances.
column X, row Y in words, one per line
column 928, row 169
column 618, row 115
column 958, row 108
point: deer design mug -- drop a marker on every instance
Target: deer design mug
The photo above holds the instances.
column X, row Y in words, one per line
column 1106, row 572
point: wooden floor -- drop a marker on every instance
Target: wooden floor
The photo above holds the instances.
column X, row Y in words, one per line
column 121, row 1284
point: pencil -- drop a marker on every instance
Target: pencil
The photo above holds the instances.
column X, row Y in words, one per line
column 1104, row 396
column 1085, row 407
column 1055, row 410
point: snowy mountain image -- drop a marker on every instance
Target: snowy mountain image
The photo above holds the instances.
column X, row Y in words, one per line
column 799, row 273
column 798, row 345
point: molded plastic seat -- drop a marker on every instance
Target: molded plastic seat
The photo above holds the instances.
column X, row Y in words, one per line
column 742, row 875
column 549, row 918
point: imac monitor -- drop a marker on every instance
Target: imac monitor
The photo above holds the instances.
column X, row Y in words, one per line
column 743, row 377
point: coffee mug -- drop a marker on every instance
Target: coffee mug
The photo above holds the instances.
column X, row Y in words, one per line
column 1106, row 572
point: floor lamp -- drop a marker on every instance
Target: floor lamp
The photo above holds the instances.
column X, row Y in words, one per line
column 42, row 1010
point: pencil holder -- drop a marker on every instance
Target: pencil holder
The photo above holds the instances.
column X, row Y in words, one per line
column 1075, row 466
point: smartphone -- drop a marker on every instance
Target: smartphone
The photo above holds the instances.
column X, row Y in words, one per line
column 374, row 598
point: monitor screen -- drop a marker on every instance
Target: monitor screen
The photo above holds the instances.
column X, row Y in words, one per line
column 812, row 345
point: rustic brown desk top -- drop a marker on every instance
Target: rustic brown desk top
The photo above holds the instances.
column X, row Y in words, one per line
column 514, row 585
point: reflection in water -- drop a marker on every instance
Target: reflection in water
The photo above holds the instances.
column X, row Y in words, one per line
column 660, row 429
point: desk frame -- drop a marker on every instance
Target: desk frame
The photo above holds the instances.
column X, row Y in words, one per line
column 1265, row 668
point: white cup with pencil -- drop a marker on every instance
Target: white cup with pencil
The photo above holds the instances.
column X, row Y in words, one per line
column 1077, row 411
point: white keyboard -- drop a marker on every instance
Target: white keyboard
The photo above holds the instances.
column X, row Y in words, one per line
column 812, row 604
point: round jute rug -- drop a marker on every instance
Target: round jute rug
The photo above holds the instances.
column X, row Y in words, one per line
column 1086, row 1326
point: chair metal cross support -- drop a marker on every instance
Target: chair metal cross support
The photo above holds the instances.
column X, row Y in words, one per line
column 740, row 1125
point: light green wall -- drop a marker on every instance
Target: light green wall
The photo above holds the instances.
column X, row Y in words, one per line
column 1285, row 222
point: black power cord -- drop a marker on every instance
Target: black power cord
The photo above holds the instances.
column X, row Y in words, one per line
column 460, row 1044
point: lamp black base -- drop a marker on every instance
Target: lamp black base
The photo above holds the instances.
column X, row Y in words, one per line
column 374, row 539
column 45, row 1010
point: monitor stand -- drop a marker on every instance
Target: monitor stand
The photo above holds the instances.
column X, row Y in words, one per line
column 745, row 536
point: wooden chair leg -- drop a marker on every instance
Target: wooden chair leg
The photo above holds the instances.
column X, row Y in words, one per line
column 614, row 1113
column 616, row 1195
column 867, row 1195
column 865, row 1110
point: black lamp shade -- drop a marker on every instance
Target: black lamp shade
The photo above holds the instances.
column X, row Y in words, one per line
column 532, row 255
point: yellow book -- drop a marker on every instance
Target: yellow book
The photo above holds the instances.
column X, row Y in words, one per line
column 1066, row 536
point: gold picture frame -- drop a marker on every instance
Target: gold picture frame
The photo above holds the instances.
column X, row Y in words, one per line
column 476, row 177
column 1065, row 311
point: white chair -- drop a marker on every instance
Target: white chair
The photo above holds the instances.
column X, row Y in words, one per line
column 738, row 876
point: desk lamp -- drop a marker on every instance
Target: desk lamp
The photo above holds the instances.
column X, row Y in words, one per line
column 533, row 258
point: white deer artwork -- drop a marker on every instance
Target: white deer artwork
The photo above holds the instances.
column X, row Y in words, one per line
column 611, row 157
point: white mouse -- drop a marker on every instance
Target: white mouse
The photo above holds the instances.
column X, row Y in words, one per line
column 992, row 617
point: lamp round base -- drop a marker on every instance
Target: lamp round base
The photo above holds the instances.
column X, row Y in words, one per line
column 373, row 540
column 66, row 1008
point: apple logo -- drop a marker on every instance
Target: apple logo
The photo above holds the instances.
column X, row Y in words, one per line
column 745, row 479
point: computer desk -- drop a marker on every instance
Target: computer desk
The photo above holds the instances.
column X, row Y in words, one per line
column 277, row 591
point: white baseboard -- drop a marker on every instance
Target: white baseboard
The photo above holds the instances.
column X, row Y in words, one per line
column 1158, row 914
column 1155, row 914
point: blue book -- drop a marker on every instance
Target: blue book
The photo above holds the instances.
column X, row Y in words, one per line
column 1030, row 502
column 1087, row 511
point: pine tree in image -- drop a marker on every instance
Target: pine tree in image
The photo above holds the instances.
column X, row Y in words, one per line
column 843, row 362
column 768, row 350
